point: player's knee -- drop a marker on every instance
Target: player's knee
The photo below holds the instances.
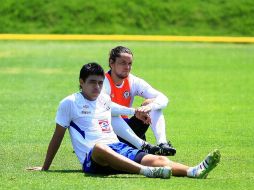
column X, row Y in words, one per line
column 99, row 154
column 163, row 161
column 99, row 149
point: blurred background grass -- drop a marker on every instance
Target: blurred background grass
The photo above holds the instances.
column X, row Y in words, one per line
column 161, row 17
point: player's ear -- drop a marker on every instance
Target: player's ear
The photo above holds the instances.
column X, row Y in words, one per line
column 81, row 82
column 111, row 62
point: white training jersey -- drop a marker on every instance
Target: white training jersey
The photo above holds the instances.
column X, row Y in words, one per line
column 139, row 87
column 89, row 122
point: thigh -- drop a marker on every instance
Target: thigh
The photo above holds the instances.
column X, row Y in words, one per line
column 90, row 166
column 124, row 150
column 131, row 153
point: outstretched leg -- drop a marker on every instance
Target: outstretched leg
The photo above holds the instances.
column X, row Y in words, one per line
column 199, row 171
column 162, row 161
column 208, row 164
column 153, row 165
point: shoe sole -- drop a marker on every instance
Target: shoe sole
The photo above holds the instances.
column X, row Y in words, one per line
column 215, row 159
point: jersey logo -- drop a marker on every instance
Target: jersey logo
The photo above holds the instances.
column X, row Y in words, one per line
column 107, row 107
column 88, row 164
column 85, row 110
column 126, row 94
column 105, row 127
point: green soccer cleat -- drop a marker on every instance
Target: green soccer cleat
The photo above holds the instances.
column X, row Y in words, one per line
column 210, row 162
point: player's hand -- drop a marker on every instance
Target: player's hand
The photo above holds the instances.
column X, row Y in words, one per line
column 144, row 109
column 147, row 101
column 37, row 168
column 145, row 117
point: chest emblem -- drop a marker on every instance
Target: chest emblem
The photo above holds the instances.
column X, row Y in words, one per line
column 126, row 94
column 105, row 127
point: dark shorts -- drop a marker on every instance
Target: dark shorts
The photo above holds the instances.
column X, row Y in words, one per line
column 90, row 166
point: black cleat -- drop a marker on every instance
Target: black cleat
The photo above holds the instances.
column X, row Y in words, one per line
column 151, row 149
column 166, row 149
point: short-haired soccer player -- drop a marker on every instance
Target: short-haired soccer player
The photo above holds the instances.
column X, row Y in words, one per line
column 87, row 116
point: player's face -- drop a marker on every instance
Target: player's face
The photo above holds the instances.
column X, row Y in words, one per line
column 122, row 65
column 91, row 88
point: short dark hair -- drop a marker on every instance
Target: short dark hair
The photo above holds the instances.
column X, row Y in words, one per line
column 115, row 52
column 91, row 69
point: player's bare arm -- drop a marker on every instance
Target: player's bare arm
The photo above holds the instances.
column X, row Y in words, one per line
column 53, row 147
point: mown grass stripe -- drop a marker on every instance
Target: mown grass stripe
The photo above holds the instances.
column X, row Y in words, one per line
column 224, row 39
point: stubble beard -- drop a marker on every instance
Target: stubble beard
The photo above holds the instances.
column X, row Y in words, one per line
column 122, row 76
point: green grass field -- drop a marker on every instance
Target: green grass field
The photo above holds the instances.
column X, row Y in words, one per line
column 210, row 87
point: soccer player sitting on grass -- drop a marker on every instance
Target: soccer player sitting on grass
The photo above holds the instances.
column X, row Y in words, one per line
column 87, row 115
column 123, row 87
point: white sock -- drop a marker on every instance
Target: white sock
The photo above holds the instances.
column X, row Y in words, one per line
column 145, row 170
column 195, row 171
column 156, row 172
column 191, row 172
column 158, row 126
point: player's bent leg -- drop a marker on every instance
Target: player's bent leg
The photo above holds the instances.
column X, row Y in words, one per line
column 159, row 129
column 105, row 156
column 138, row 127
column 125, row 133
column 166, row 149
column 150, row 149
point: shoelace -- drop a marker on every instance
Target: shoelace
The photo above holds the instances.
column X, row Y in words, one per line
column 202, row 166
column 145, row 147
column 155, row 172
